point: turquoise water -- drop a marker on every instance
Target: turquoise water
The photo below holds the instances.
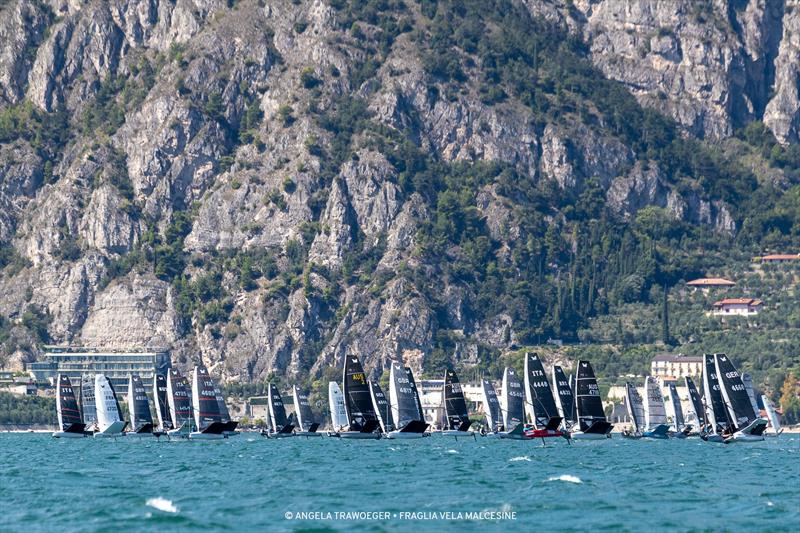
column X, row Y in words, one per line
column 249, row 483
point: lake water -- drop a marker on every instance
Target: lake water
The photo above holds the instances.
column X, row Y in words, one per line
column 249, row 483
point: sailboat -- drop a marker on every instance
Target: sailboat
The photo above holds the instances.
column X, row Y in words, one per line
column 746, row 425
column 207, row 417
column 179, row 400
column 362, row 422
column 655, row 414
column 635, row 405
column 225, row 415
column 774, row 428
column 162, row 404
column 418, row 399
column 88, row 405
column 681, row 430
column 456, row 417
column 305, row 427
column 696, row 414
column 138, row 409
column 565, row 400
column 109, row 414
column 747, row 379
column 716, row 415
column 589, row 415
column 382, row 408
column 70, row 425
column 491, row 408
column 512, row 404
column 541, row 405
column 336, row 405
column 406, row 412
column 279, row 426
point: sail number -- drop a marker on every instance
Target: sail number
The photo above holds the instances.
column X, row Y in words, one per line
column 358, row 376
column 732, row 375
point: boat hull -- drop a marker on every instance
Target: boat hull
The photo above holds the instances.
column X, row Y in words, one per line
column 752, row 433
column 308, row 434
column 457, row 433
column 271, row 435
column 199, row 435
column 402, row 435
column 580, row 435
column 358, row 435
column 543, row 433
column 67, row 435
column 111, row 432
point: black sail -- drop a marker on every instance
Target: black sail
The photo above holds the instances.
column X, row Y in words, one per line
column 223, row 407
column 162, row 403
column 715, row 405
column 635, row 406
column 382, row 408
column 455, row 406
column 357, row 401
column 588, row 404
column 179, row 398
column 421, row 416
column 68, row 411
column 734, row 392
column 277, row 411
column 697, row 403
column 538, row 393
column 402, row 398
column 205, row 396
column 514, row 399
column 138, row 405
column 563, row 394
column 676, row 407
column 303, row 413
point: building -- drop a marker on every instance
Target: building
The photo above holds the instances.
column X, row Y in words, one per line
column 117, row 366
column 673, row 367
column 780, row 258
column 257, row 408
column 705, row 284
column 737, row 307
column 430, row 391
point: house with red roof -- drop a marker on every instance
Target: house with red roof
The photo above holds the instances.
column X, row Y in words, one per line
column 737, row 307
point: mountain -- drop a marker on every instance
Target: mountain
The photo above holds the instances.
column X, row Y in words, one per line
column 272, row 185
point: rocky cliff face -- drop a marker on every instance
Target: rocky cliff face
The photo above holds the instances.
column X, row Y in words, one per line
column 200, row 132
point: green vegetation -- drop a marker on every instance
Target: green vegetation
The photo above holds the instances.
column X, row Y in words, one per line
column 16, row 409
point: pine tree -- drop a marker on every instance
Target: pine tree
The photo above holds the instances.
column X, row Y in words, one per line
column 667, row 338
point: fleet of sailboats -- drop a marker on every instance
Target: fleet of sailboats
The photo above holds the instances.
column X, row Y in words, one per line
column 725, row 411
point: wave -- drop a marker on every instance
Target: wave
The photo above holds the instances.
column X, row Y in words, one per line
column 520, row 458
column 162, row 504
column 566, row 477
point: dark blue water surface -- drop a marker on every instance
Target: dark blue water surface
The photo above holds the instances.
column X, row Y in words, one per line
column 248, row 483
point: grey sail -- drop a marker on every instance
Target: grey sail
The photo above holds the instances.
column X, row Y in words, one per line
column 676, row 407
column 695, row 402
column 654, row 410
column 139, row 406
column 747, row 379
column 635, row 406
column 491, row 406
column 87, row 401
column 513, row 404
column 302, row 411
column 382, row 407
column 565, row 402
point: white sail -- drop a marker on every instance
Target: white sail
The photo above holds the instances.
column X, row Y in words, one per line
column 171, row 400
column 336, row 404
column 774, row 422
column 131, row 403
column 298, row 413
column 108, row 413
column 196, row 398
column 655, row 413
column 490, row 404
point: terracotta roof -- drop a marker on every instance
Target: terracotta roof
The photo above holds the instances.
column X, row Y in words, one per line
column 781, row 257
column 712, row 282
column 738, row 301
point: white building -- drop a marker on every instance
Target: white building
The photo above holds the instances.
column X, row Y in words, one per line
column 673, row 367
column 737, row 307
column 431, row 398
